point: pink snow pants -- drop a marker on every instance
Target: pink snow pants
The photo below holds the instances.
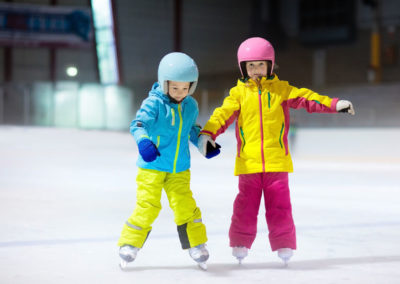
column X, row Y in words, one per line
column 275, row 186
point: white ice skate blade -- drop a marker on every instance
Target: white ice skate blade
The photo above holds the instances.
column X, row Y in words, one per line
column 123, row 264
column 285, row 264
column 202, row 265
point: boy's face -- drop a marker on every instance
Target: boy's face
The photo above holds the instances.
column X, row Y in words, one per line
column 256, row 69
column 178, row 90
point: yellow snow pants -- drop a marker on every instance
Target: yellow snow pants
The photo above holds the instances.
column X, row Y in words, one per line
column 187, row 215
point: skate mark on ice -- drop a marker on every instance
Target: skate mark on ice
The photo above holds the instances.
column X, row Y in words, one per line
column 354, row 225
column 333, row 263
column 165, row 236
column 55, row 242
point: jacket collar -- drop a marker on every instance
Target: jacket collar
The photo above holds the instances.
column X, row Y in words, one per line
column 247, row 82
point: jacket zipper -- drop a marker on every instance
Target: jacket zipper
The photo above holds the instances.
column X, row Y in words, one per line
column 262, row 130
column 179, row 138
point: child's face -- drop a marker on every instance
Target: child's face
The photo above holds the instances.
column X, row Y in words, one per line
column 178, row 90
column 256, row 69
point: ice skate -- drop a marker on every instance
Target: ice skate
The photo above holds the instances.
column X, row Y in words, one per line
column 200, row 255
column 240, row 253
column 285, row 254
column 128, row 254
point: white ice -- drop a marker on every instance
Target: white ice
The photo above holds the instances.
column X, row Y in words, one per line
column 65, row 194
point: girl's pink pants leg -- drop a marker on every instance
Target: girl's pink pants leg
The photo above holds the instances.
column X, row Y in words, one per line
column 275, row 186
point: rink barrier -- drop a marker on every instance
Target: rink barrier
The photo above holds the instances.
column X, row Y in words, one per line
column 67, row 104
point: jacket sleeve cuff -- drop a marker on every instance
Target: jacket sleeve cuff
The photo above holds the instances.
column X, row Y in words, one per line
column 139, row 137
column 333, row 104
column 205, row 132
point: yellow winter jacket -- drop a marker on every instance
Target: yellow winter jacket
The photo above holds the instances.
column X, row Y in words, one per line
column 262, row 121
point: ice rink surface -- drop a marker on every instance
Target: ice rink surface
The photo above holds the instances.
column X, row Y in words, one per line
column 65, row 194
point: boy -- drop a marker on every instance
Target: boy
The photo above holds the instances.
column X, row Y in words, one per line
column 162, row 129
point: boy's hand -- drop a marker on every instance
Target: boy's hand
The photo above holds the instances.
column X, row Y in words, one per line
column 207, row 146
column 345, row 106
column 148, row 150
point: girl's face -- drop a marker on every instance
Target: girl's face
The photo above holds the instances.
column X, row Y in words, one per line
column 178, row 90
column 256, row 69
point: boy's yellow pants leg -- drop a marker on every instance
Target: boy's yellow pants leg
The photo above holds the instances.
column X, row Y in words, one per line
column 191, row 229
column 148, row 206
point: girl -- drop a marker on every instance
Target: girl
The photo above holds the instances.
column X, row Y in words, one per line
column 260, row 105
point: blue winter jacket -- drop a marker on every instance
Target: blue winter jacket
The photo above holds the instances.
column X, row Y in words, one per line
column 170, row 126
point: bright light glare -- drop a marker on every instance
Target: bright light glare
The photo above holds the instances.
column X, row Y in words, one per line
column 71, row 71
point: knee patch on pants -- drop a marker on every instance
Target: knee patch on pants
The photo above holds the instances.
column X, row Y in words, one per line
column 192, row 233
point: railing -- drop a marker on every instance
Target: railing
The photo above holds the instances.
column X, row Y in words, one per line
column 92, row 106
column 66, row 104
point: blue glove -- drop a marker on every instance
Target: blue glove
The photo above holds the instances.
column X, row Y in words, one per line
column 207, row 146
column 212, row 151
column 148, row 150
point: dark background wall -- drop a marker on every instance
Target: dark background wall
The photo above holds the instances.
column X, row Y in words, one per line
column 210, row 31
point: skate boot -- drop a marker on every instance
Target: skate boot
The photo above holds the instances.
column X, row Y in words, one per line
column 128, row 254
column 200, row 255
column 285, row 254
column 240, row 253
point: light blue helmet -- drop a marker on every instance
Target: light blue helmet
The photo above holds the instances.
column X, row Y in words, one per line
column 177, row 66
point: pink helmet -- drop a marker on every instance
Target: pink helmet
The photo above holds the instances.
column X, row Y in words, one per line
column 254, row 49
